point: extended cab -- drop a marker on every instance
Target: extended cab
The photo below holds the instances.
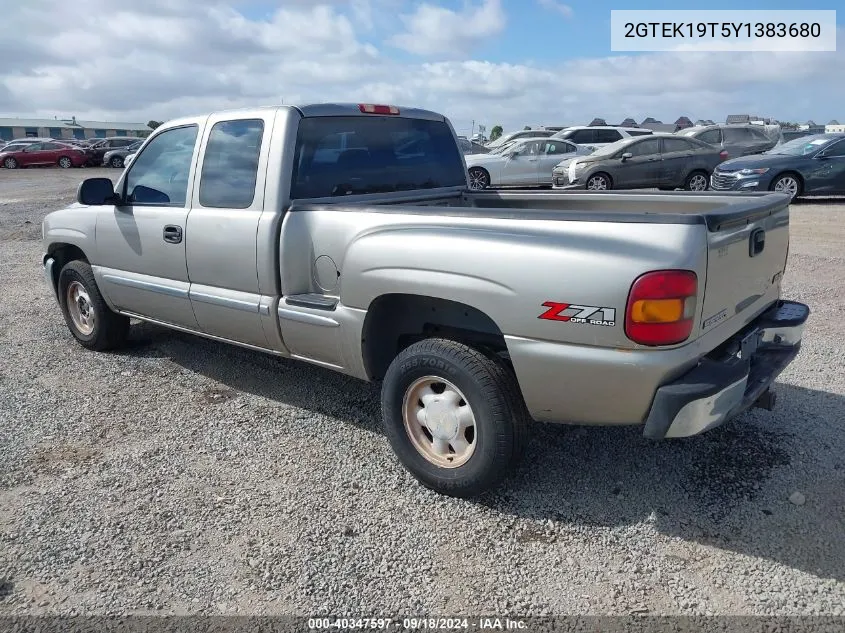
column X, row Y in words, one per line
column 347, row 236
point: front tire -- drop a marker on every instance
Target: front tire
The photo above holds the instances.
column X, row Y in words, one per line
column 116, row 162
column 787, row 183
column 86, row 313
column 10, row 163
column 454, row 416
column 479, row 178
column 65, row 162
column 599, row 182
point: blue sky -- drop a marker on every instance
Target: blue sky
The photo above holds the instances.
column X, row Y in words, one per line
column 509, row 62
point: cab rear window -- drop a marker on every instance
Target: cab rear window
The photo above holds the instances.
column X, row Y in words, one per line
column 338, row 156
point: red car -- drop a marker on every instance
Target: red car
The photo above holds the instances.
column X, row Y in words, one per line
column 46, row 153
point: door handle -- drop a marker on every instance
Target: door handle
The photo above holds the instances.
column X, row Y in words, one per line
column 172, row 234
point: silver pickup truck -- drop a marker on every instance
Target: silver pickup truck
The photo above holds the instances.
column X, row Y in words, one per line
column 346, row 235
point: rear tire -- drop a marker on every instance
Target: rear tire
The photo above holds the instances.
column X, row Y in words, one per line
column 86, row 313
column 10, row 163
column 116, row 162
column 64, row 162
column 696, row 181
column 479, row 178
column 454, row 417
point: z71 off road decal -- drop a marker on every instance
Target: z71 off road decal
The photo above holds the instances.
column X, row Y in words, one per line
column 572, row 313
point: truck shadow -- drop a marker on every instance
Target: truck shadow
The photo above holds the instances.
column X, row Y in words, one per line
column 728, row 488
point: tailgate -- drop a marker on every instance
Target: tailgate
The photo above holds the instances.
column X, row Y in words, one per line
column 747, row 250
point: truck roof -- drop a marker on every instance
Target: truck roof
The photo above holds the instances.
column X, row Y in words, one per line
column 324, row 109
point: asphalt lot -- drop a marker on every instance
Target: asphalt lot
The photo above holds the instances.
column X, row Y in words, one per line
column 184, row 476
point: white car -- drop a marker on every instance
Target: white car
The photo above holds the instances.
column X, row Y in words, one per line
column 518, row 136
column 526, row 163
column 594, row 136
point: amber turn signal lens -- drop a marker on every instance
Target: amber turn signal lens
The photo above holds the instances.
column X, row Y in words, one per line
column 657, row 310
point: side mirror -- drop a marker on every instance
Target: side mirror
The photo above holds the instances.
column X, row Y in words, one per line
column 627, row 155
column 96, row 191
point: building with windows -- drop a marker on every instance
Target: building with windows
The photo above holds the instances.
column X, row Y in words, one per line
column 68, row 128
column 834, row 126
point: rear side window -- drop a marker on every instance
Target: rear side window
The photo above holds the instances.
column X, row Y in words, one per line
column 676, row 145
column 341, row 155
column 639, row 132
column 607, row 136
column 713, row 137
column 583, row 136
column 230, row 165
column 736, row 134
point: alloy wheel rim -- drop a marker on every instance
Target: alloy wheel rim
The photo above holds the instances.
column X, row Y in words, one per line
column 597, row 183
column 439, row 422
column 477, row 179
column 698, row 183
column 787, row 185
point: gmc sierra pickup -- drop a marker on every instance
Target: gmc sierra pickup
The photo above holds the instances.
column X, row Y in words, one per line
column 346, row 235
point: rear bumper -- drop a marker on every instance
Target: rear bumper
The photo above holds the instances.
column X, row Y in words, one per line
column 725, row 384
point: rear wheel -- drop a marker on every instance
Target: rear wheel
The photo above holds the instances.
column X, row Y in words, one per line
column 65, row 162
column 454, row 416
column 479, row 178
column 599, row 182
column 10, row 163
column 787, row 183
column 116, row 162
column 696, row 181
column 86, row 313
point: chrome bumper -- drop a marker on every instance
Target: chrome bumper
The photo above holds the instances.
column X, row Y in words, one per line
column 733, row 379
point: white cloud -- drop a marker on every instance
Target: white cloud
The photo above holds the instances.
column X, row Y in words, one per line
column 553, row 5
column 440, row 32
column 168, row 58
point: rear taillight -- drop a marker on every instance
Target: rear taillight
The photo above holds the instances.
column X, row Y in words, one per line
column 371, row 108
column 661, row 307
column 723, row 155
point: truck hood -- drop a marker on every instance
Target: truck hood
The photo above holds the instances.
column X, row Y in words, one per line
column 757, row 160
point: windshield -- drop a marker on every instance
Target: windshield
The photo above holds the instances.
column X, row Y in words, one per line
column 612, row 148
column 343, row 155
column 803, row 145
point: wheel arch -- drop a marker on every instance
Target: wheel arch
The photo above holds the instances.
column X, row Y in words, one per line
column 396, row 320
column 61, row 253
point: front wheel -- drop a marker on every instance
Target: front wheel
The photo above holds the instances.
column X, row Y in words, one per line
column 478, row 178
column 598, row 182
column 116, row 162
column 454, row 416
column 10, row 163
column 65, row 163
column 86, row 313
column 787, row 183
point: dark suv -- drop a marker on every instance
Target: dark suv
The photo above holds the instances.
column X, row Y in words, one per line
column 98, row 148
column 737, row 140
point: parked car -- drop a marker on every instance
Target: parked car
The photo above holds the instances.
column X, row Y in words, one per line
column 736, row 139
column 17, row 145
column 116, row 157
column 514, row 136
column 807, row 166
column 49, row 153
column 472, row 147
column 98, row 148
column 526, row 163
column 592, row 137
column 660, row 160
column 475, row 311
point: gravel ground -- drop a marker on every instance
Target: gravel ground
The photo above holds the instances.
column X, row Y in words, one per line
column 186, row 476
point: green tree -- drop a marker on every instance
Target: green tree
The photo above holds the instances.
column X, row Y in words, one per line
column 153, row 124
column 496, row 132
